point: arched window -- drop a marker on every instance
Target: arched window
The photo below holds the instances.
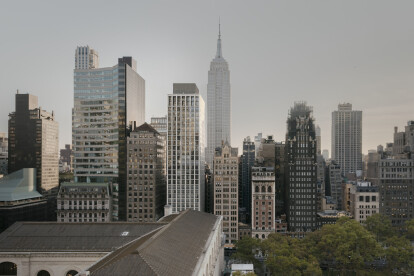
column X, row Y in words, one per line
column 71, row 273
column 263, row 236
column 43, row 273
column 8, row 268
column 257, row 236
column 269, row 189
column 263, row 189
column 257, row 189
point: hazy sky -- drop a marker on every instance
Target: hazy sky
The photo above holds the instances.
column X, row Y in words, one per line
column 322, row 52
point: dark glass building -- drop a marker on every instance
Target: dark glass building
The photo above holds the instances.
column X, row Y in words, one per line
column 301, row 169
column 247, row 162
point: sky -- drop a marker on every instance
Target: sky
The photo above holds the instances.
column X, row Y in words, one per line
column 279, row 52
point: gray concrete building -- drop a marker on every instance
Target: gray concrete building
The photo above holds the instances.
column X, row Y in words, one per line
column 396, row 188
column 146, row 174
column 334, row 180
column 34, row 142
column 4, row 153
column 346, row 138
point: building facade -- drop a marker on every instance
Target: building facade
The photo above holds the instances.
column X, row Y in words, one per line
column 218, row 104
column 226, row 204
column 301, row 169
column 106, row 103
column 396, row 188
column 347, row 138
column 335, row 183
column 84, row 202
column 263, row 202
column 4, row 153
column 185, row 148
column 34, row 142
column 365, row 201
column 247, row 162
column 160, row 124
column 86, row 58
column 146, row 174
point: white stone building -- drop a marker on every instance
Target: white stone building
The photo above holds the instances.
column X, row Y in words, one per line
column 365, row 201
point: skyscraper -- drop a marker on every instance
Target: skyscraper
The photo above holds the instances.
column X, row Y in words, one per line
column 185, row 148
column 226, row 174
column 347, row 138
column 146, row 174
column 247, row 162
column 318, row 139
column 106, row 102
column 34, row 142
column 301, row 169
column 218, row 103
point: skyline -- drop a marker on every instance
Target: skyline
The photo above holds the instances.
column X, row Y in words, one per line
column 364, row 54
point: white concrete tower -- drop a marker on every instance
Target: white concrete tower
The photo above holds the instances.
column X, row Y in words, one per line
column 218, row 103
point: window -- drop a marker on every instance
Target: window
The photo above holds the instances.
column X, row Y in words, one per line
column 43, row 273
column 71, row 273
column 8, row 268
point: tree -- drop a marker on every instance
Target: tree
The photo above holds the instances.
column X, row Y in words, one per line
column 399, row 254
column 379, row 225
column 345, row 245
column 238, row 273
column 246, row 249
column 410, row 229
column 288, row 256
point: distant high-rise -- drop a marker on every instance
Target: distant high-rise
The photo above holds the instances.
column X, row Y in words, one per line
column 34, row 142
column 347, row 138
column 106, row 102
column 86, row 58
column 318, row 139
column 247, row 162
column 301, row 169
column 226, row 174
column 218, row 103
column 185, row 148
column 4, row 153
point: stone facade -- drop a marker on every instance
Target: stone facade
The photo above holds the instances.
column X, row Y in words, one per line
column 84, row 202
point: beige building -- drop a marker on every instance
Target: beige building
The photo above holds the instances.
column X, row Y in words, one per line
column 226, row 179
column 364, row 200
column 263, row 202
column 84, row 202
column 146, row 174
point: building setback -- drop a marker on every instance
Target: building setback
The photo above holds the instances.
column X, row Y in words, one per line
column 185, row 148
column 301, row 169
column 226, row 175
column 218, row 103
column 106, row 102
column 146, row 174
column 160, row 125
column 347, row 138
column 34, row 142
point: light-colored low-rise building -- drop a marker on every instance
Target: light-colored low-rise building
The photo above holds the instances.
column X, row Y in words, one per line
column 84, row 202
column 364, row 200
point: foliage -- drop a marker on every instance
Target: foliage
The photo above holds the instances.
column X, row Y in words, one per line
column 410, row 229
column 246, row 249
column 288, row 256
column 399, row 253
column 380, row 225
column 346, row 245
column 238, row 273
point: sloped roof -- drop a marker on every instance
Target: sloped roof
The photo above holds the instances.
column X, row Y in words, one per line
column 19, row 185
column 146, row 127
column 173, row 250
column 67, row 237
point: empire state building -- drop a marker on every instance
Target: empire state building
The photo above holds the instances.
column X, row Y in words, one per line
column 218, row 103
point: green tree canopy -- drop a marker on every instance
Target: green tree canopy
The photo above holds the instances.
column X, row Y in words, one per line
column 379, row 225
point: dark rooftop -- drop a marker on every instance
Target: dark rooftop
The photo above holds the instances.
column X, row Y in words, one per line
column 173, row 250
column 64, row 237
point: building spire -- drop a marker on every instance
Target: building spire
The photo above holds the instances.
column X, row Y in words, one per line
column 218, row 54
